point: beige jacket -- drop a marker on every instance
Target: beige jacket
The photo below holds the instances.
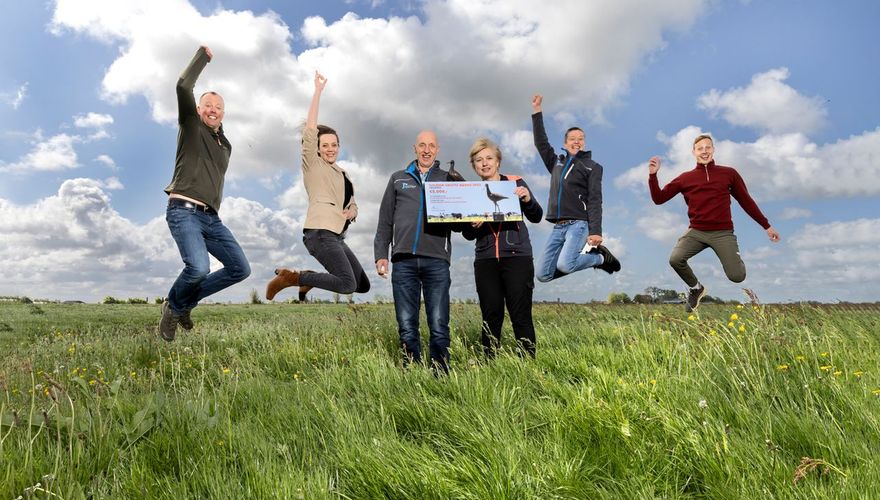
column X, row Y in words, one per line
column 325, row 185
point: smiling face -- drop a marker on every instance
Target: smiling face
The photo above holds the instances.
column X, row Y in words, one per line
column 211, row 110
column 574, row 141
column 704, row 150
column 426, row 149
column 487, row 164
column 328, row 147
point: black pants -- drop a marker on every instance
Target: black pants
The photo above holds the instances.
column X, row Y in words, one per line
column 344, row 273
column 509, row 280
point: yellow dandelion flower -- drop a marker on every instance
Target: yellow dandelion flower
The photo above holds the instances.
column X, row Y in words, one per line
column 838, row 373
column 825, row 368
column 713, row 333
column 93, row 382
column 858, row 373
column 731, row 324
column 823, row 354
column 734, row 317
column 782, row 367
column 876, row 392
column 739, row 306
column 226, row 371
column 653, row 381
column 742, row 328
column 799, row 358
column 691, row 317
column 133, row 374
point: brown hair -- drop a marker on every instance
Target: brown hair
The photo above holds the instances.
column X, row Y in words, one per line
column 325, row 130
column 571, row 129
column 703, row 136
column 481, row 144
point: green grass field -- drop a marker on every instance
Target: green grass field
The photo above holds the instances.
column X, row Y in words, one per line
column 310, row 401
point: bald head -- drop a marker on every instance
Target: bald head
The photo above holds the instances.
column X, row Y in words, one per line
column 426, row 148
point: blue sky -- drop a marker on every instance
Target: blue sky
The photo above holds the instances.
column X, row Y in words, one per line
column 788, row 89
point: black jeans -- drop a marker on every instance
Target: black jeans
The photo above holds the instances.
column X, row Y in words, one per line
column 509, row 280
column 344, row 273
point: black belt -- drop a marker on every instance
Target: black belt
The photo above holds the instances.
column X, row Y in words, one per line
column 563, row 222
column 178, row 202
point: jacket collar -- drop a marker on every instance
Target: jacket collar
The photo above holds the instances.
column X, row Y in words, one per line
column 413, row 167
column 708, row 165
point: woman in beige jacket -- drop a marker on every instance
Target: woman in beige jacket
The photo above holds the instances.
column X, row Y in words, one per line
column 332, row 208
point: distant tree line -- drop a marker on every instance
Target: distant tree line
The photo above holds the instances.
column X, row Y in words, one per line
column 656, row 295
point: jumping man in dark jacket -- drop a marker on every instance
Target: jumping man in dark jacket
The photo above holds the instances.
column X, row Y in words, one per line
column 194, row 196
column 575, row 205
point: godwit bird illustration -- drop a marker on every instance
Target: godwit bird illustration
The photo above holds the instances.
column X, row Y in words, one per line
column 453, row 174
column 495, row 197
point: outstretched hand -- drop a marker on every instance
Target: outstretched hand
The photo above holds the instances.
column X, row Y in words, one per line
column 653, row 164
column 320, row 81
column 594, row 240
column 773, row 234
column 537, row 99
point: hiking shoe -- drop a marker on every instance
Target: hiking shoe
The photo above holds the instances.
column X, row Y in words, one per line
column 185, row 321
column 610, row 265
column 695, row 295
column 283, row 279
column 304, row 289
column 168, row 323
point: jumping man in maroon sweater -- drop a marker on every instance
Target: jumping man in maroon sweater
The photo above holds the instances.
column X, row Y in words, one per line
column 707, row 190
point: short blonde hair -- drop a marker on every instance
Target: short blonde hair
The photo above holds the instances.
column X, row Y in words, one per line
column 703, row 136
column 481, row 144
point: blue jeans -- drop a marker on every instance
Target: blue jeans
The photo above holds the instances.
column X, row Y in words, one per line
column 198, row 234
column 562, row 255
column 409, row 277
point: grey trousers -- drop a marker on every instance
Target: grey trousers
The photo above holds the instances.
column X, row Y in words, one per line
column 694, row 241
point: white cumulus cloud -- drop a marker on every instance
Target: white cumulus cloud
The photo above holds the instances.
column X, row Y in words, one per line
column 767, row 104
column 388, row 78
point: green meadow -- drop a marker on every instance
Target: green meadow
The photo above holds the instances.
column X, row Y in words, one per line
column 311, row 401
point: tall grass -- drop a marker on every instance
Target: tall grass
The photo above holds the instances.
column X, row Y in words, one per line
column 310, row 401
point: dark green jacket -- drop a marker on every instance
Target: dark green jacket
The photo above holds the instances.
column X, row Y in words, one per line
column 202, row 154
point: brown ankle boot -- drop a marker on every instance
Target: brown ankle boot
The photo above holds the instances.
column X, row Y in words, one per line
column 284, row 279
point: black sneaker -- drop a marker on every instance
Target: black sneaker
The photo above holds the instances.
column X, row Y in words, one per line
column 168, row 323
column 185, row 320
column 610, row 264
column 695, row 295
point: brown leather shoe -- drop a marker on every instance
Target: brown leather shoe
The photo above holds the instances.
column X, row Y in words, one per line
column 304, row 289
column 284, row 279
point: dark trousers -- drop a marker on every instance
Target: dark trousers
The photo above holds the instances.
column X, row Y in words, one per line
column 199, row 234
column 509, row 280
column 344, row 273
column 410, row 279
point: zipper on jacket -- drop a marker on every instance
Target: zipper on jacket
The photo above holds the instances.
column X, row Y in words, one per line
column 562, row 177
column 497, row 235
column 706, row 167
column 418, row 179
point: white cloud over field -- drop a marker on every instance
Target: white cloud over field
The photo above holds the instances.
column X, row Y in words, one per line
column 462, row 67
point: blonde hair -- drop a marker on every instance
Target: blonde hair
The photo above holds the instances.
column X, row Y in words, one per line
column 703, row 136
column 481, row 144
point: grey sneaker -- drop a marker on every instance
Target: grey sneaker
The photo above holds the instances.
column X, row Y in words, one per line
column 168, row 323
column 185, row 321
column 695, row 295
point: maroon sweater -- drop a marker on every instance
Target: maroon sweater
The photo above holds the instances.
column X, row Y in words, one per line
column 707, row 190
